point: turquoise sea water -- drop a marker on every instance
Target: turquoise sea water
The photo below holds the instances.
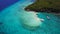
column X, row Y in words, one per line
column 11, row 19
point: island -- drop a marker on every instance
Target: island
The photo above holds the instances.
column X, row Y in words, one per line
column 49, row 6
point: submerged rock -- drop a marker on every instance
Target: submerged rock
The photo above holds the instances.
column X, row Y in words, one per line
column 1, row 23
column 32, row 22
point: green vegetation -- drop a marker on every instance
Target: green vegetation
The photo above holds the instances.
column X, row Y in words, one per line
column 55, row 4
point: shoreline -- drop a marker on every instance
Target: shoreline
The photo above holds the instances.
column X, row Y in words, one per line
column 47, row 6
column 45, row 11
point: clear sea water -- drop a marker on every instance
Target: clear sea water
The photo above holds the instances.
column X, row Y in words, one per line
column 11, row 19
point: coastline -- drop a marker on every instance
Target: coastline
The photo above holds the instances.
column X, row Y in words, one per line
column 45, row 6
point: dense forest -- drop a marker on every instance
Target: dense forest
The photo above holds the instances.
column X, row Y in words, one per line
column 45, row 6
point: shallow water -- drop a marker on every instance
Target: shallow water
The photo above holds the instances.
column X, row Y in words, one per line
column 11, row 19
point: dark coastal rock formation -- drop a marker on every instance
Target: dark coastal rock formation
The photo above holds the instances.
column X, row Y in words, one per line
column 50, row 6
column 48, row 10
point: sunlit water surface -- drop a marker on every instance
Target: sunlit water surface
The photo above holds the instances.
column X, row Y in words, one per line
column 11, row 19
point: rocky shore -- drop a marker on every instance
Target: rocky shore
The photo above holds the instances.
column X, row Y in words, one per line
column 48, row 10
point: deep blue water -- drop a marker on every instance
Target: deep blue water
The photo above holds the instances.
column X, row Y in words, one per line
column 6, row 3
column 13, row 14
